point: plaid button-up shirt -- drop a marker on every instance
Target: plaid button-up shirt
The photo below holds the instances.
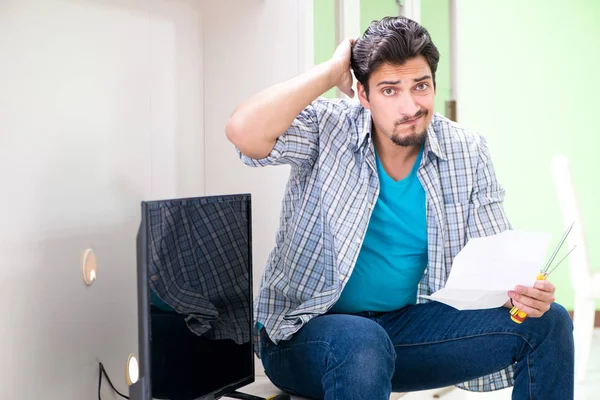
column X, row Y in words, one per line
column 332, row 189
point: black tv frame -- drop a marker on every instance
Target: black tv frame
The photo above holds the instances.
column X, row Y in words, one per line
column 142, row 389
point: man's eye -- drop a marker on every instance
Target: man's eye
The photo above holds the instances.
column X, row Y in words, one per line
column 422, row 86
column 388, row 91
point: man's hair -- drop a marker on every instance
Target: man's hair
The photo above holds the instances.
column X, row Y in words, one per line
column 391, row 40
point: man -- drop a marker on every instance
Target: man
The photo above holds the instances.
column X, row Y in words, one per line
column 382, row 195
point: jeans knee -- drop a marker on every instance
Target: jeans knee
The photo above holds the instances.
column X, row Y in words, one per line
column 365, row 357
column 559, row 327
column 559, row 319
column 367, row 369
column 369, row 355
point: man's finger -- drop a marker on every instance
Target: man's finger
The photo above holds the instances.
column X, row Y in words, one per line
column 533, row 293
column 537, row 304
column 536, row 292
column 530, row 311
column 545, row 286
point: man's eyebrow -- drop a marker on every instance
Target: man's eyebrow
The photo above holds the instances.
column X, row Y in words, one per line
column 423, row 78
column 388, row 83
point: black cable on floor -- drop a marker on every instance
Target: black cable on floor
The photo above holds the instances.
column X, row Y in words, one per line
column 101, row 371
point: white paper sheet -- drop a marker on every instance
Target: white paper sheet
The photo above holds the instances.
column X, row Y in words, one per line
column 487, row 268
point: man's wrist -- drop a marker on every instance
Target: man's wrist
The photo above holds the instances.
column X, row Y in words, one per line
column 335, row 71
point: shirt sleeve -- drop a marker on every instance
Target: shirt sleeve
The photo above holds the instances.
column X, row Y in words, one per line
column 297, row 146
column 487, row 216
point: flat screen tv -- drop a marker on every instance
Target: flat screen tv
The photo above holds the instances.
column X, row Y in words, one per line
column 194, row 271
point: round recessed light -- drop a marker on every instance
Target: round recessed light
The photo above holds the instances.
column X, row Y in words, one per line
column 89, row 267
column 132, row 369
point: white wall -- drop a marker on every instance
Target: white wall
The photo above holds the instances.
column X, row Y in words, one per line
column 262, row 43
column 100, row 107
column 103, row 104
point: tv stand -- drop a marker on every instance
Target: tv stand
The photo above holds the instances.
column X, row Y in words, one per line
column 244, row 396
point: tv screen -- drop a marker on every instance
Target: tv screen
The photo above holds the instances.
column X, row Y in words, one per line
column 194, row 298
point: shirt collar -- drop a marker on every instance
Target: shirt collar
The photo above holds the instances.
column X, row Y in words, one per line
column 432, row 143
column 363, row 131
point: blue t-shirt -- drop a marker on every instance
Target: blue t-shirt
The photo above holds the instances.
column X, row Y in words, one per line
column 157, row 302
column 393, row 256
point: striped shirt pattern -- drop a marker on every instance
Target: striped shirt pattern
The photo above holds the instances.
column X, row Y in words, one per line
column 332, row 189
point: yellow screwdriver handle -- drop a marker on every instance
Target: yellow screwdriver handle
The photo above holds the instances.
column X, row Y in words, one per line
column 519, row 316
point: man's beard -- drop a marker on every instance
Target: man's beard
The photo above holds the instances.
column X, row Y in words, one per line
column 413, row 138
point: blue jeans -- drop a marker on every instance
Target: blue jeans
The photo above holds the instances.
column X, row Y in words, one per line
column 424, row 346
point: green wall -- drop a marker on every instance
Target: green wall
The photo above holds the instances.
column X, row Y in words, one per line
column 324, row 33
column 371, row 10
column 527, row 82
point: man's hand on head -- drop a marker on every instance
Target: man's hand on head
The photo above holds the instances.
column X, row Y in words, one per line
column 341, row 58
column 534, row 301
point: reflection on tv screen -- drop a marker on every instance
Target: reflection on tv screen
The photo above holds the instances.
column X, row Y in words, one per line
column 199, row 280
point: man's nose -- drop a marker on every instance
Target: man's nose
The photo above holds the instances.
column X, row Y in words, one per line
column 407, row 105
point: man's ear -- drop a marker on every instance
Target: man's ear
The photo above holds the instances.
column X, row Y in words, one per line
column 362, row 95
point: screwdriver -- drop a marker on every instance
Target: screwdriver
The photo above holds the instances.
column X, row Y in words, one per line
column 519, row 316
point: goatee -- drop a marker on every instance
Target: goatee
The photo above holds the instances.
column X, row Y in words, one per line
column 413, row 138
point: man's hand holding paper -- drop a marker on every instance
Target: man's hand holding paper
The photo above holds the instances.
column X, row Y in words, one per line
column 489, row 271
